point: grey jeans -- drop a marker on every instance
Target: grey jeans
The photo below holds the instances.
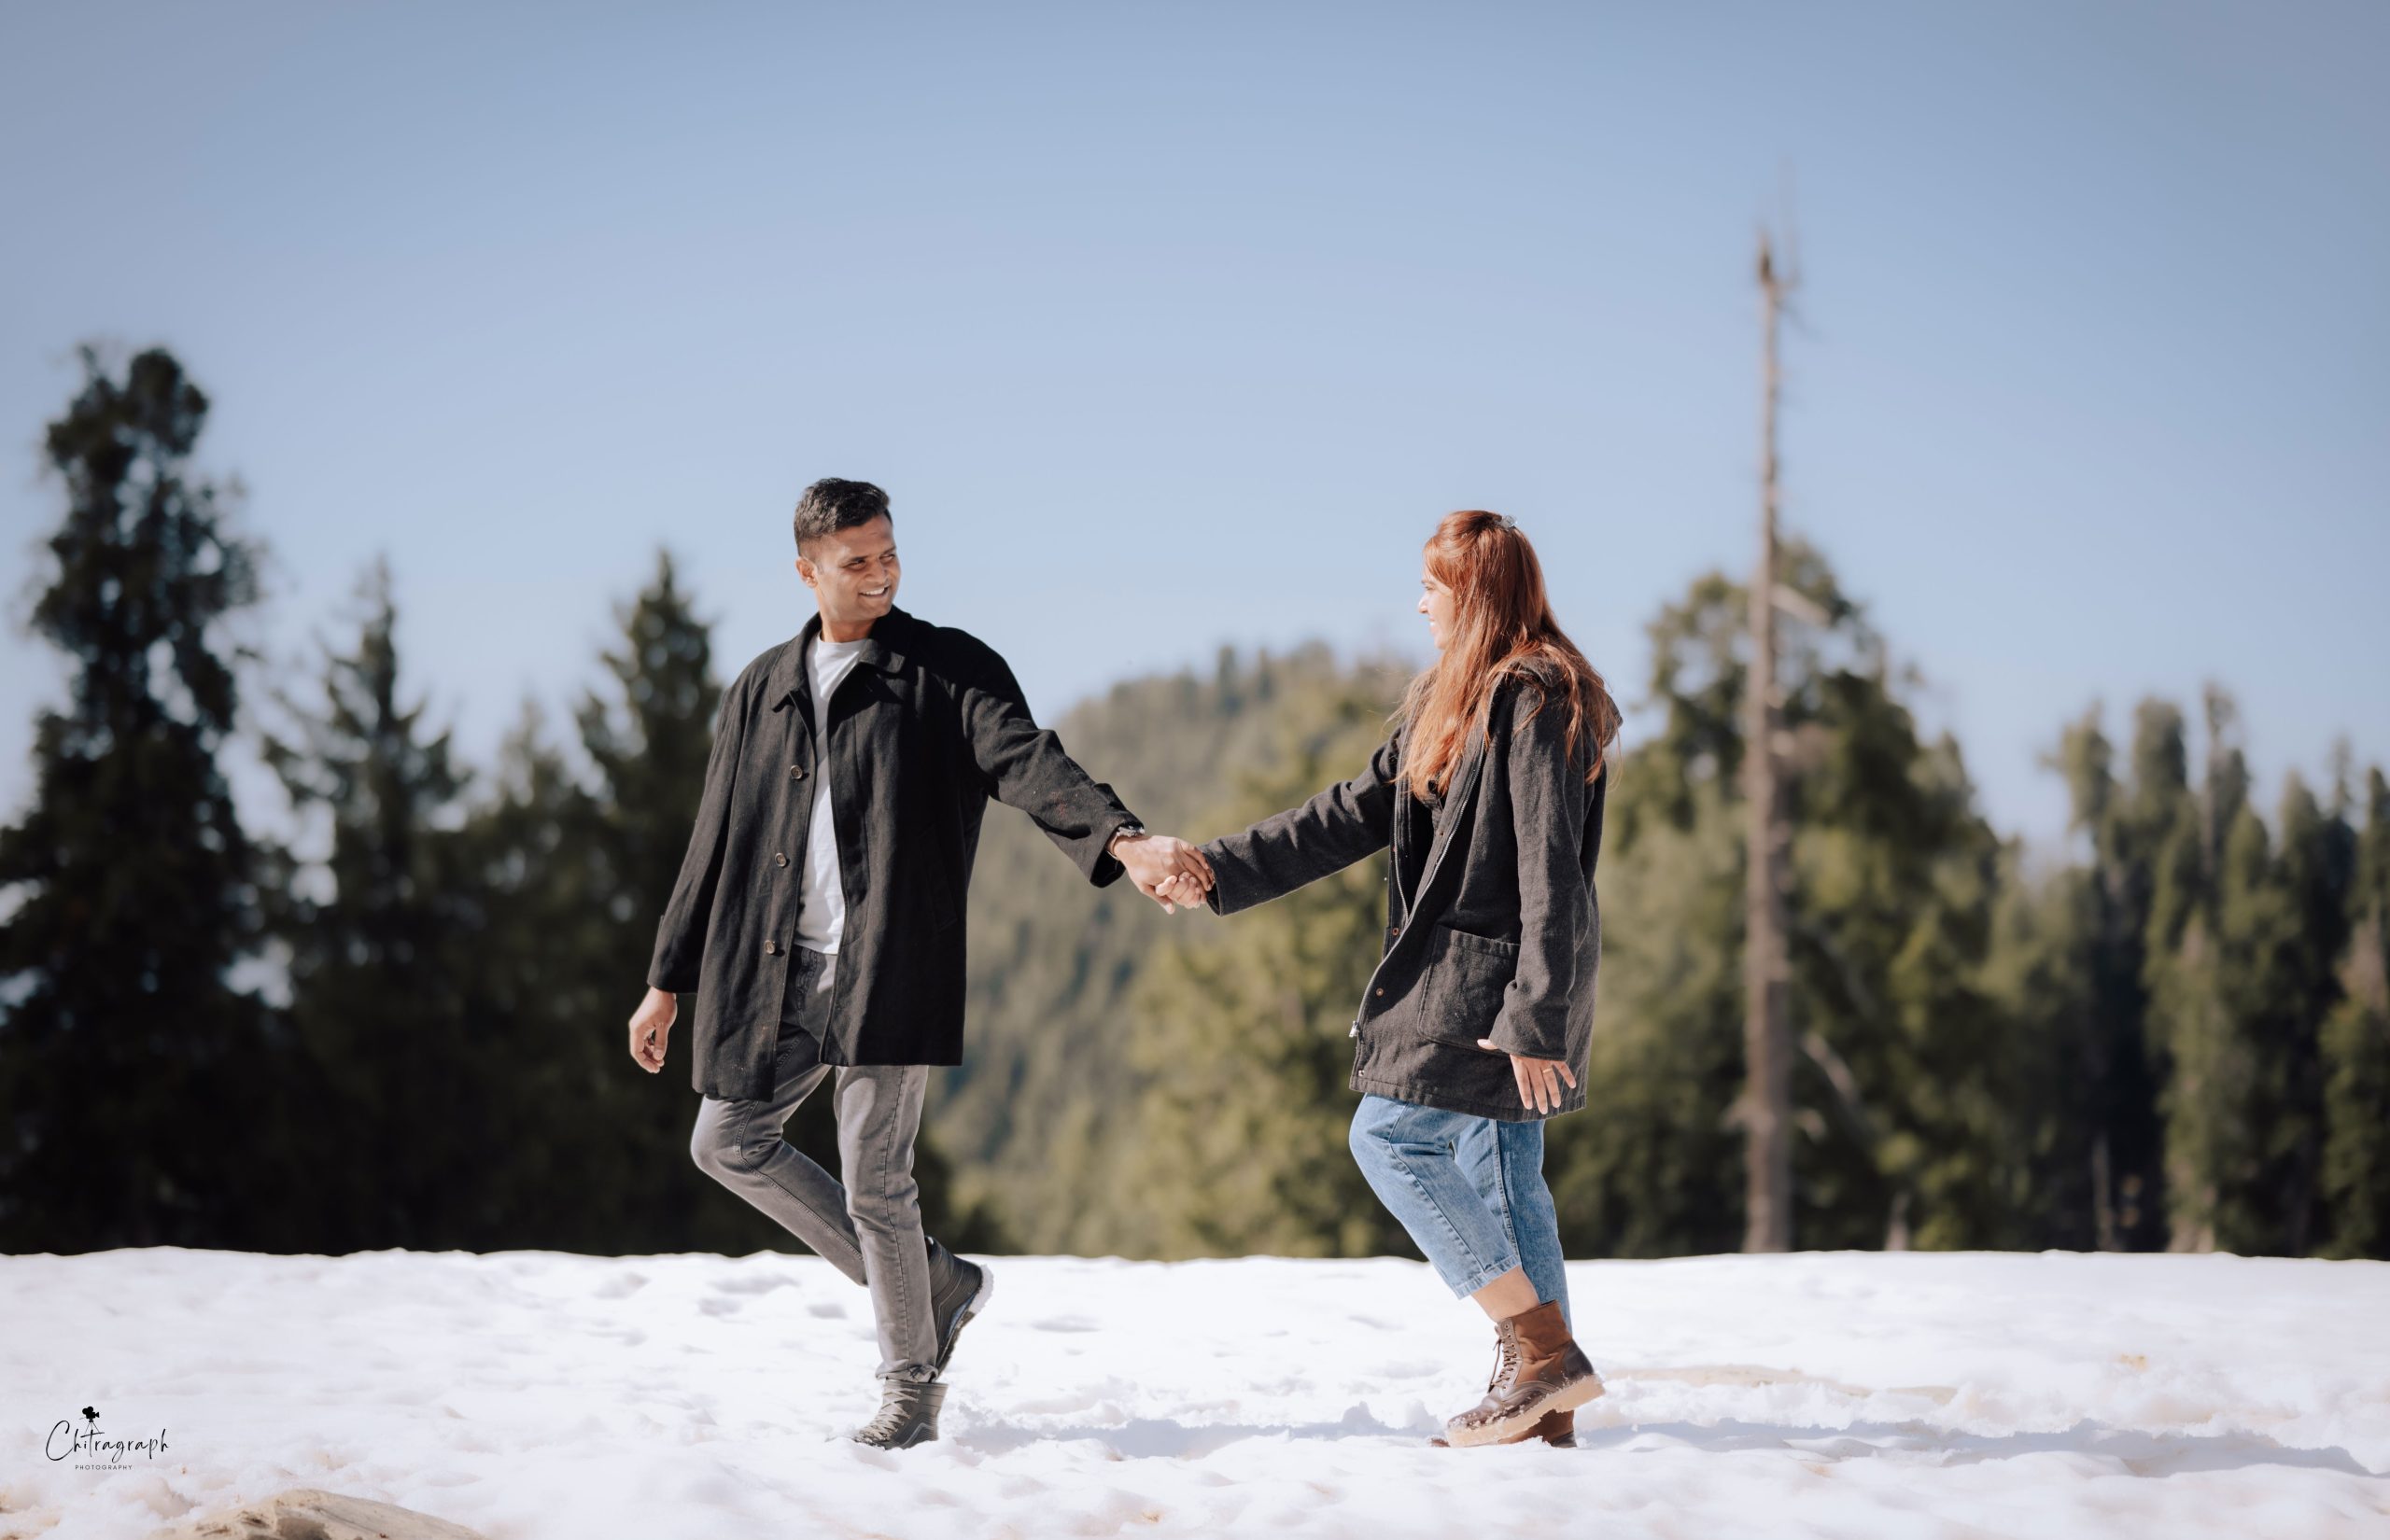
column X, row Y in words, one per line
column 869, row 1229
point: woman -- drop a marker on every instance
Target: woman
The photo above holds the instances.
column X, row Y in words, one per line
column 1477, row 1024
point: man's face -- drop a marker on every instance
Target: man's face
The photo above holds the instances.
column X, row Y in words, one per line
column 852, row 572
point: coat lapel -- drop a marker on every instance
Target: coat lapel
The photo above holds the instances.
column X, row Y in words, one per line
column 792, row 681
column 789, row 681
column 1456, row 802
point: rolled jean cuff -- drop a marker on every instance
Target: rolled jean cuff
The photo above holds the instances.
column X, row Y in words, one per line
column 1466, row 1287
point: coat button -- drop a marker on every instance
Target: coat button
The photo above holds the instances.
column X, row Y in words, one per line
column 772, row 947
column 780, row 858
column 1397, row 930
column 1381, row 987
column 796, row 772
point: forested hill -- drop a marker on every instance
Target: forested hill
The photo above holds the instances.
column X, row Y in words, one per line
column 1033, row 1118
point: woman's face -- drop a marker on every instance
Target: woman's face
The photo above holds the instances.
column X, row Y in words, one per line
column 1436, row 603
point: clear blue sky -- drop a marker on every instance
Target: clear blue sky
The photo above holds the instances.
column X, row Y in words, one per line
column 1174, row 327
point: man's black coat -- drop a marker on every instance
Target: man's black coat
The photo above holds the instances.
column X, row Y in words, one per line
column 927, row 725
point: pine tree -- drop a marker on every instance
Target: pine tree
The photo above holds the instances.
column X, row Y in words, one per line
column 2145, row 872
column 647, row 736
column 2200, row 1001
column 407, row 1072
column 138, row 1086
column 2039, row 976
column 542, row 972
column 2314, row 874
column 646, row 732
column 2355, row 1051
column 2240, row 1001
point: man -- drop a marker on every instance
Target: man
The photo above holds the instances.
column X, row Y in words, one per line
column 818, row 911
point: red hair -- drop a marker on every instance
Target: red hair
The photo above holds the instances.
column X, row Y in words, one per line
column 1502, row 626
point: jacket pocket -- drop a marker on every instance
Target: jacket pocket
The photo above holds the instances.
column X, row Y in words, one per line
column 1461, row 992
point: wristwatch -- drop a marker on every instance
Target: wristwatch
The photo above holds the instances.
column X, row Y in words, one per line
column 1121, row 834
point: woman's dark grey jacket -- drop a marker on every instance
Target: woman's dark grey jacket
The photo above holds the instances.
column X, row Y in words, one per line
column 1501, row 936
column 925, row 727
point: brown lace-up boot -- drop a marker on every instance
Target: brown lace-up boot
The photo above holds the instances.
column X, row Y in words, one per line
column 1506, row 1358
column 1539, row 1369
column 1557, row 1428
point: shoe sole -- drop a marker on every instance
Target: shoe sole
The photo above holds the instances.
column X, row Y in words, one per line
column 971, row 1308
column 1566, row 1441
column 1568, row 1398
column 914, row 1442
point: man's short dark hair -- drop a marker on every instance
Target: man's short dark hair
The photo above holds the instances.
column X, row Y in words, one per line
column 830, row 505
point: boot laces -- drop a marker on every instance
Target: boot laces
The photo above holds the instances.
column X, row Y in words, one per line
column 896, row 1411
column 1506, row 1357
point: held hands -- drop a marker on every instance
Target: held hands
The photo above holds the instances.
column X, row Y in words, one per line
column 1539, row 1078
column 1182, row 891
column 1171, row 872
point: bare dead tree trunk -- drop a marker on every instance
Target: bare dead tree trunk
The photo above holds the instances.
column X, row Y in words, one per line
column 1767, row 1049
column 2104, row 1208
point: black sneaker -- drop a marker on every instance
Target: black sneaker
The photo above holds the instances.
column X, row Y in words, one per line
column 908, row 1415
column 952, row 1307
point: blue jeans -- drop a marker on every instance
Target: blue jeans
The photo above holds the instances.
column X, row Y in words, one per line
column 1469, row 1190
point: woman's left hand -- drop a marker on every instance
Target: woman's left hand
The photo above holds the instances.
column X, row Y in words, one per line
column 1539, row 1078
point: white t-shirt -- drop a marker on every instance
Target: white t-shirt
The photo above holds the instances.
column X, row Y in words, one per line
column 822, row 903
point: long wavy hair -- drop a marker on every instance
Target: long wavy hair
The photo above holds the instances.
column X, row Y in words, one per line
column 1502, row 624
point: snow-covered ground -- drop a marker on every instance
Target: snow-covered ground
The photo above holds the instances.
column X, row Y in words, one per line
column 532, row 1393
